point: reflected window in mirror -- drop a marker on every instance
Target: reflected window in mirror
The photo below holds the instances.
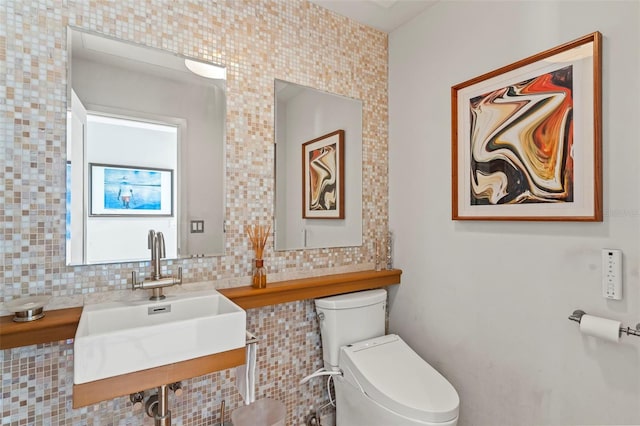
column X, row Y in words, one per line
column 303, row 115
column 140, row 110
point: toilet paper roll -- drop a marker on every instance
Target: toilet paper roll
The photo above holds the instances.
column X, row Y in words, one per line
column 600, row 327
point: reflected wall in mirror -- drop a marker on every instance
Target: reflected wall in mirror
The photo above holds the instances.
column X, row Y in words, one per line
column 303, row 114
column 157, row 130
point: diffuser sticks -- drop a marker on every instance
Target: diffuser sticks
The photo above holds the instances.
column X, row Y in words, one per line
column 258, row 235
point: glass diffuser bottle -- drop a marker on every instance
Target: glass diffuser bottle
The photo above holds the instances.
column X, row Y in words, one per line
column 258, row 235
column 259, row 274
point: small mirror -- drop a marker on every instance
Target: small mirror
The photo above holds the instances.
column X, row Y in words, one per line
column 145, row 150
column 318, row 196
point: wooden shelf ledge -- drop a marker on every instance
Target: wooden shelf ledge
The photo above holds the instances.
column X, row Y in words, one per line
column 61, row 324
column 275, row 293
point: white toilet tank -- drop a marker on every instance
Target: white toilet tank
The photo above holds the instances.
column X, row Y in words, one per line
column 349, row 318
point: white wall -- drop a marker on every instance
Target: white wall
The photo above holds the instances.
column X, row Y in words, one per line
column 487, row 303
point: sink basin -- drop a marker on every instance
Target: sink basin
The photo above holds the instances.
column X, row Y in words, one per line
column 117, row 338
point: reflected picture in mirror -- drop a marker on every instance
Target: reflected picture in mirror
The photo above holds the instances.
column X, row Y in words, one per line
column 142, row 110
column 323, row 177
column 130, row 191
column 303, row 118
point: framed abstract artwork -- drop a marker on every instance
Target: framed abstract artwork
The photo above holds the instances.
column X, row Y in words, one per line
column 526, row 138
column 130, row 191
column 323, row 177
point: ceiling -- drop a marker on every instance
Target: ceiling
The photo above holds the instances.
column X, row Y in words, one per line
column 385, row 15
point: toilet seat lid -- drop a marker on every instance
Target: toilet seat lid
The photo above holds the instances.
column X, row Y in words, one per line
column 394, row 376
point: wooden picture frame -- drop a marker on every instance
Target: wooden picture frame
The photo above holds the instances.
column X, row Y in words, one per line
column 526, row 138
column 323, row 177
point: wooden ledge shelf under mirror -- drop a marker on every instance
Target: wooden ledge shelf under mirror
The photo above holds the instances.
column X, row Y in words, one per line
column 61, row 324
column 278, row 292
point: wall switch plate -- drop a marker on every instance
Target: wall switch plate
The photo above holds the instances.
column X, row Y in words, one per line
column 197, row 226
column 612, row 274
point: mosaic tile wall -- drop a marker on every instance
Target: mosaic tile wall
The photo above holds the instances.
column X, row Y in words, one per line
column 258, row 41
column 37, row 381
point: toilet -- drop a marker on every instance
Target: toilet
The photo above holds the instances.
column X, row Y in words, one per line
column 383, row 381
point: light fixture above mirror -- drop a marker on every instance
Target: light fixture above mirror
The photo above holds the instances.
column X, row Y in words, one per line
column 206, row 70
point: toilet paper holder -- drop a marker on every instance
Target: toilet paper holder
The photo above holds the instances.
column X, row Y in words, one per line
column 577, row 316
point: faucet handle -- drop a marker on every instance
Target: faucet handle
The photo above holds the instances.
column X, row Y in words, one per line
column 178, row 280
column 135, row 284
column 150, row 237
column 160, row 242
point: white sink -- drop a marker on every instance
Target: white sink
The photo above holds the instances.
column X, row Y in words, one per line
column 116, row 338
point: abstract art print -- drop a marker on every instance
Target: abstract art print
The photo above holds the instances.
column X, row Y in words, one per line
column 130, row 191
column 526, row 138
column 323, row 177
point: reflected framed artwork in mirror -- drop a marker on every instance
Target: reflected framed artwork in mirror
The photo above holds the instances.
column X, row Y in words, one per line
column 142, row 109
column 305, row 115
column 323, row 177
column 130, row 191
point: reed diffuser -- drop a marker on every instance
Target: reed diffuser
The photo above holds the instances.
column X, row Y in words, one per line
column 258, row 235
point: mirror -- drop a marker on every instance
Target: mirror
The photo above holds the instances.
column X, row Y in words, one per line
column 304, row 119
column 145, row 150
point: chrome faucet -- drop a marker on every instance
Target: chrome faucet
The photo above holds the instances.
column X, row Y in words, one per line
column 155, row 243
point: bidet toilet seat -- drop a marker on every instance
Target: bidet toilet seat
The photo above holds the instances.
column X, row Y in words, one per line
column 388, row 371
